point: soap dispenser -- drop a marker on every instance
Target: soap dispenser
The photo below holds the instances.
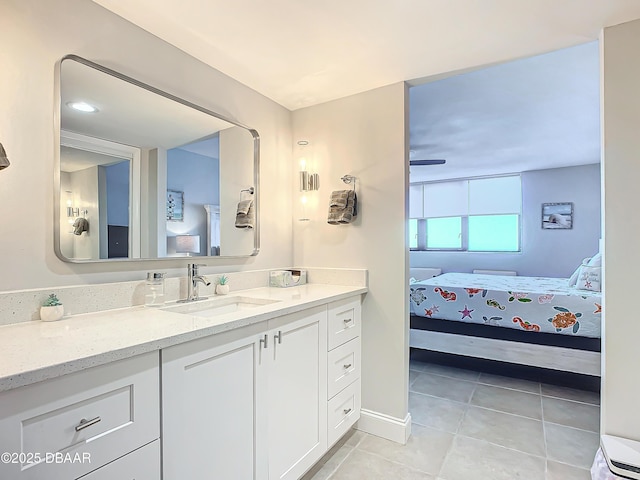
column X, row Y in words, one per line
column 154, row 290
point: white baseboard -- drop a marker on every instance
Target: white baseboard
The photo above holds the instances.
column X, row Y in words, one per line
column 385, row 426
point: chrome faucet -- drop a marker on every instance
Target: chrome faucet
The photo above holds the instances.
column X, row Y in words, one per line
column 193, row 279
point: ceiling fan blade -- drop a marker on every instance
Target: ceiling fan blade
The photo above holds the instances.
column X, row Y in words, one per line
column 417, row 163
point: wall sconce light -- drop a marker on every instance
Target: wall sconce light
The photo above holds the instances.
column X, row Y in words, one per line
column 188, row 244
column 308, row 181
column 72, row 211
column 4, row 161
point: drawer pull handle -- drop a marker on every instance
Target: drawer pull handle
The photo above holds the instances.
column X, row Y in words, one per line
column 347, row 321
column 263, row 341
column 346, row 411
column 84, row 423
column 348, row 365
column 278, row 337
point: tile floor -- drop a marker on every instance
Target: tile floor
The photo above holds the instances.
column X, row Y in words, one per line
column 474, row 426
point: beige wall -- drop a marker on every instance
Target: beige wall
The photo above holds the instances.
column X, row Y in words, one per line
column 36, row 34
column 363, row 135
column 621, row 333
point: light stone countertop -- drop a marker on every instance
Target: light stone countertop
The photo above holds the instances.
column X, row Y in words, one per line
column 35, row 351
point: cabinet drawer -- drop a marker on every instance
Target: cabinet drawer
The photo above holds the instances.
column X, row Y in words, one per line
column 93, row 417
column 141, row 464
column 344, row 366
column 343, row 411
column 344, row 321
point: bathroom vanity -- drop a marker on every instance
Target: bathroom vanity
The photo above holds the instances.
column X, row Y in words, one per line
column 255, row 385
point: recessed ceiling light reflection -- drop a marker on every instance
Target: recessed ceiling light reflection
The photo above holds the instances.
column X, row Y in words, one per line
column 82, row 107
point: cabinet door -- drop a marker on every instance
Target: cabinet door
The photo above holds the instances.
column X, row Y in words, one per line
column 297, row 389
column 211, row 409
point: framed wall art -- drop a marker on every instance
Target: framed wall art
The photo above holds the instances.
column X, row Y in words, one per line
column 175, row 206
column 557, row 215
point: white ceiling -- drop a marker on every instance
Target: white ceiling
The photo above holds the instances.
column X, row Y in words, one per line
column 301, row 53
column 530, row 114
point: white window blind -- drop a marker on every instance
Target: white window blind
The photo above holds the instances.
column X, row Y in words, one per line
column 481, row 196
column 490, row 196
column 446, row 199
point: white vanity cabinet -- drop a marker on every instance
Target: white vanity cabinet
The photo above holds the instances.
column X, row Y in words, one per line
column 79, row 422
column 247, row 404
column 343, row 392
column 263, row 401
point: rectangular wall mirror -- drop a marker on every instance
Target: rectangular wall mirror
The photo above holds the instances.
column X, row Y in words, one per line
column 146, row 175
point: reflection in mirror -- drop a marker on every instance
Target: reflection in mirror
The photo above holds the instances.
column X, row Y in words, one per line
column 145, row 175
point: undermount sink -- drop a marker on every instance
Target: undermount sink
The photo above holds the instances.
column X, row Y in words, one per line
column 219, row 306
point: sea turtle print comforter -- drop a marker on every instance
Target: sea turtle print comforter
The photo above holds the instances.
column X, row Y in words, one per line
column 534, row 304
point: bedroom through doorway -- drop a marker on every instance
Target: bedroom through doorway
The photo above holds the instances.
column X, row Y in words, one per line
column 505, row 263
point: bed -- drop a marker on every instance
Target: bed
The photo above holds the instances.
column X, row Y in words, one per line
column 527, row 320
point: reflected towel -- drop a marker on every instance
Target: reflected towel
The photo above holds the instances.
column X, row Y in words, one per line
column 80, row 225
column 245, row 214
column 342, row 216
column 244, row 206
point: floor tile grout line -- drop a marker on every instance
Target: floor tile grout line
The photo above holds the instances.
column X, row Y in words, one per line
column 473, row 392
column 568, row 464
column 502, row 446
column 347, row 455
column 437, row 397
column 478, row 381
column 462, row 417
column 446, row 455
column 573, row 428
column 544, row 436
column 506, row 413
column 433, row 428
column 511, row 388
column 333, row 472
column 571, row 400
column 457, row 432
column 449, row 377
column 580, row 467
column 469, row 404
column 394, row 462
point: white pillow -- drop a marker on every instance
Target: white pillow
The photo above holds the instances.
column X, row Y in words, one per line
column 596, row 260
column 574, row 276
column 589, row 278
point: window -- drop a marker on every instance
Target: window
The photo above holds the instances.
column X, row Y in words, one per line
column 475, row 215
column 494, row 233
column 444, row 233
column 413, row 233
